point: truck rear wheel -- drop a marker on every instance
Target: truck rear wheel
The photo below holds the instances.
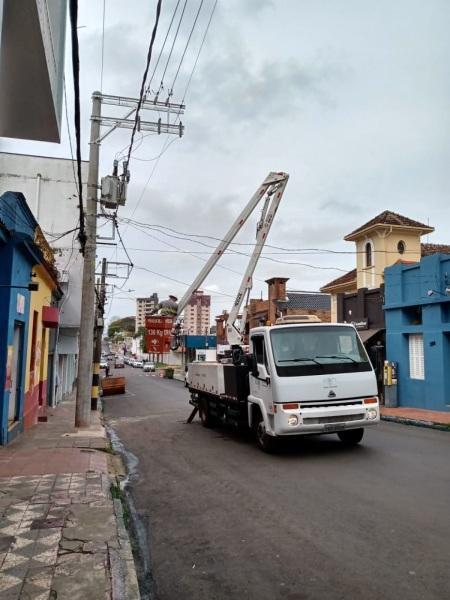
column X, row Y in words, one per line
column 204, row 414
column 352, row 437
column 265, row 442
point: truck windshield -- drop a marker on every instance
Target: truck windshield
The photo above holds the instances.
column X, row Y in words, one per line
column 317, row 350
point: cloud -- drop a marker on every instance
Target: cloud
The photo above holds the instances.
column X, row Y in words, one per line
column 235, row 88
column 340, row 206
column 254, row 7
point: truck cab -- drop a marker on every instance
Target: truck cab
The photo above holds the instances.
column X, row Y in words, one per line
column 310, row 378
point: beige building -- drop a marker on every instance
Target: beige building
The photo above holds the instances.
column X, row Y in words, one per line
column 197, row 314
column 144, row 308
column 381, row 242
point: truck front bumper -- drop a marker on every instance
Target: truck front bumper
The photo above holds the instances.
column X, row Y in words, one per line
column 309, row 420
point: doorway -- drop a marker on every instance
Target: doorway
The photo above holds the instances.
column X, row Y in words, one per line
column 16, row 374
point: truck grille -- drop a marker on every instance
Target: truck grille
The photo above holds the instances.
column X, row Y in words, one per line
column 339, row 419
column 328, row 404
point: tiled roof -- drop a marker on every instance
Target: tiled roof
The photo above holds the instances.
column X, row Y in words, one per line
column 389, row 218
column 427, row 249
column 346, row 278
column 306, row 301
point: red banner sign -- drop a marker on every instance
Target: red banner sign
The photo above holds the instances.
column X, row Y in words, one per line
column 159, row 330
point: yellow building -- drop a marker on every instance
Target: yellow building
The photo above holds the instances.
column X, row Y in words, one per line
column 380, row 243
column 43, row 316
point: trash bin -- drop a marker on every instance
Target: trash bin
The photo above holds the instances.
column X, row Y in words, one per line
column 390, row 396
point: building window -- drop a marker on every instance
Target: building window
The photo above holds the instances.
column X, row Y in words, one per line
column 368, row 252
column 416, row 360
column 401, row 247
column 412, row 315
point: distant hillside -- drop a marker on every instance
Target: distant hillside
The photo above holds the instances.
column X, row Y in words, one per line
column 126, row 324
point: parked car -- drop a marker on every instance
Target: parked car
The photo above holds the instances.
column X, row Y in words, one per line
column 149, row 367
column 119, row 362
column 138, row 364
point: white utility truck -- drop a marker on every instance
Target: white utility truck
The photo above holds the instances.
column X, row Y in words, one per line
column 298, row 376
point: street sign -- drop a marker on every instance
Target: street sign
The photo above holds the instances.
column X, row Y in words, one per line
column 158, row 333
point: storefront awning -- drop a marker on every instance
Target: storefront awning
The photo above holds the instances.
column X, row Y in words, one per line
column 366, row 334
column 50, row 316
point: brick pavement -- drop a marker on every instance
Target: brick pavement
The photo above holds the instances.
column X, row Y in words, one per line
column 418, row 415
column 61, row 533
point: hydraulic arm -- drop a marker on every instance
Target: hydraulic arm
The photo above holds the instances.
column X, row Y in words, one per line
column 271, row 190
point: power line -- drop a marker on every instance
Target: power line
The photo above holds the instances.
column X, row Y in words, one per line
column 161, row 85
column 144, row 79
column 76, row 84
column 166, row 143
column 173, row 279
column 223, row 267
column 199, row 51
column 265, row 257
column 157, row 227
column 162, row 47
column 186, row 46
column 70, row 138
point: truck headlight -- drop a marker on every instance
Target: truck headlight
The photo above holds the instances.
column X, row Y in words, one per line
column 293, row 420
column 372, row 414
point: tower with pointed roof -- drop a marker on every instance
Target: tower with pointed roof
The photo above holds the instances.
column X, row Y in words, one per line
column 381, row 242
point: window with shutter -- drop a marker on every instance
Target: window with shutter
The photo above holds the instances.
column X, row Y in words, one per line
column 416, row 359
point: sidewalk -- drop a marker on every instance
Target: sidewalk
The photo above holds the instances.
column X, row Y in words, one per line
column 62, row 535
column 417, row 416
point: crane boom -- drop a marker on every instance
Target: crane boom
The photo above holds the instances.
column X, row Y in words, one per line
column 272, row 187
column 271, row 203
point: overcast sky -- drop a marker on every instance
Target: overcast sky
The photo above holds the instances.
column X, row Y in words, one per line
column 350, row 97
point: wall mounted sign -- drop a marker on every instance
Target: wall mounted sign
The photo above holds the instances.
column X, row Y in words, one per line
column 359, row 324
column 20, row 305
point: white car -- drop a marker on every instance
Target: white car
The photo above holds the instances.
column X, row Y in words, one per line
column 138, row 364
column 149, row 367
column 103, row 363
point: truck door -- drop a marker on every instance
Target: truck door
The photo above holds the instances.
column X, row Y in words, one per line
column 260, row 385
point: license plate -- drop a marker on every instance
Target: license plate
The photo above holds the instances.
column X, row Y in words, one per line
column 335, row 427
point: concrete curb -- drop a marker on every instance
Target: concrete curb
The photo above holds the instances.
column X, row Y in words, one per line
column 415, row 423
column 123, row 571
column 124, row 580
column 179, row 376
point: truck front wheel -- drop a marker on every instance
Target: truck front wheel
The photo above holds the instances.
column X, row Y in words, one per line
column 351, row 437
column 266, row 442
column 204, row 414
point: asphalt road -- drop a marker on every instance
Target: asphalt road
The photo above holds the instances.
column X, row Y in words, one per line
column 315, row 522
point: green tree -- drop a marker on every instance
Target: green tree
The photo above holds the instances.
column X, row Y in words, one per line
column 125, row 324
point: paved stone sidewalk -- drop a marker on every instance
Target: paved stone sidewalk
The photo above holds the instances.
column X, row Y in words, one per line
column 417, row 416
column 62, row 535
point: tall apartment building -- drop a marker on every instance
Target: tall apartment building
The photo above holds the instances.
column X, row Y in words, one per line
column 144, row 307
column 197, row 314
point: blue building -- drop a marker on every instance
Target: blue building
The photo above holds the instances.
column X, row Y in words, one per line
column 18, row 255
column 417, row 311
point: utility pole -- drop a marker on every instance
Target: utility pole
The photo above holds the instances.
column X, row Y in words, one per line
column 83, row 400
column 101, row 299
column 86, row 343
